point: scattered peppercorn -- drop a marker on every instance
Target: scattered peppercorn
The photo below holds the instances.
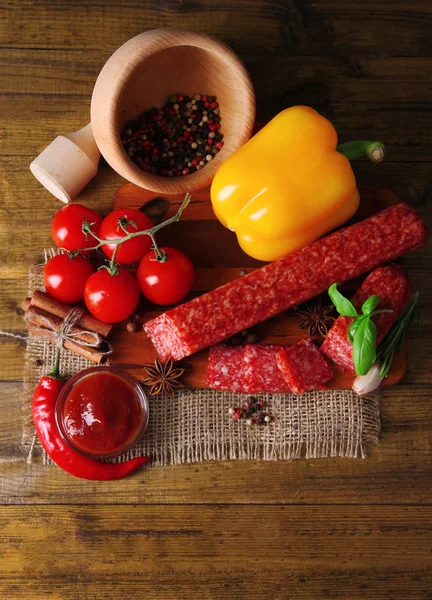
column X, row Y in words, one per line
column 177, row 139
column 252, row 413
column 132, row 326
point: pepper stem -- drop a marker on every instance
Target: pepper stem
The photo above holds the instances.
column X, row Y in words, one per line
column 55, row 373
column 375, row 151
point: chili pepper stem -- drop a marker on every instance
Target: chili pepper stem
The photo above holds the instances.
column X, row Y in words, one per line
column 375, row 151
column 55, row 373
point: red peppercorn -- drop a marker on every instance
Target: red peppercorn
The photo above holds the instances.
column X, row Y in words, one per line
column 185, row 133
column 219, row 145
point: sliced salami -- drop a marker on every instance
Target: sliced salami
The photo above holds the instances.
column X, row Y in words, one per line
column 392, row 285
column 304, row 367
column 261, row 373
column 225, row 370
column 343, row 255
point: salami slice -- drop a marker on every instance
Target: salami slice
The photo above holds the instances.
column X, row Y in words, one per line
column 304, row 367
column 261, row 373
column 343, row 255
column 392, row 285
column 225, row 370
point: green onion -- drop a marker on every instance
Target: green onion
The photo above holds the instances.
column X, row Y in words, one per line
column 393, row 341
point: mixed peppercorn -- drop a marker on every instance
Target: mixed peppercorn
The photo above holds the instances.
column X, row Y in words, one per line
column 252, row 412
column 177, row 139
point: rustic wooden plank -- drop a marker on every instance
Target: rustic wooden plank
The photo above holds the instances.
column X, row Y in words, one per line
column 302, row 28
column 73, row 71
column 401, row 585
column 401, row 126
column 397, row 471
column 206, row 549
column 337, row 57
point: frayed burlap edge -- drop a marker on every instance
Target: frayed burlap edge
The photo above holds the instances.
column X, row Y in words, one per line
column 195, row 426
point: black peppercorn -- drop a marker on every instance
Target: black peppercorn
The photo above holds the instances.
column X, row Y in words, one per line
column 189, row 126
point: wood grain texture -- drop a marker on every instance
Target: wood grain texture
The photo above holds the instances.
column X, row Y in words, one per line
column 219, row 552
column 346, row 529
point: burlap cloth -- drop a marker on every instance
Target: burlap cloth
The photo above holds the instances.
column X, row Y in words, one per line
column 195, row 425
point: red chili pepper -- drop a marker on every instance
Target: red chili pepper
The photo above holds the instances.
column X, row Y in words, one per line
column 68, row 459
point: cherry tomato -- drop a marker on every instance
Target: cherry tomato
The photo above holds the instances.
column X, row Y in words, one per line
column 65, row 278
column 111, row 298
column 133, row 250
column 66, row 227
column 165, row 282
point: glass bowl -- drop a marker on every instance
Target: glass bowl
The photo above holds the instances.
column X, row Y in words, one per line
column 88, row 418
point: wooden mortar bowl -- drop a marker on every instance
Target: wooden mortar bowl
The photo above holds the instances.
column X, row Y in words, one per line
column 144, row 72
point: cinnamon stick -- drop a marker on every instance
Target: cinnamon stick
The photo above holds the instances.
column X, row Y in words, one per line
column 38, row 318
column 59, row 309
column 91, row 354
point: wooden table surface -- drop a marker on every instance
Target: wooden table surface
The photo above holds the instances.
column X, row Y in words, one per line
column 237, row 530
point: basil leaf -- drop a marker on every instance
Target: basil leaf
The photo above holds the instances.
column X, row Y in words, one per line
column 364, row 346
column 342, row 304
column 369, row 304
column 353, row 328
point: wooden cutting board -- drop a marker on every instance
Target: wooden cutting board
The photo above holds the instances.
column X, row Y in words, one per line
column 218, row 259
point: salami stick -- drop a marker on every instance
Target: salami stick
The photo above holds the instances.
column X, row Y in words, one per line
column 287, row 282
column 392, row 285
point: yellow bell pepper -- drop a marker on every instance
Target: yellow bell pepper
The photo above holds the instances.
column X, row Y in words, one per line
column 289, row 184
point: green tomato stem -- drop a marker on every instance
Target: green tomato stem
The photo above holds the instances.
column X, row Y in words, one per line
column 375, row 151
column 160, row 255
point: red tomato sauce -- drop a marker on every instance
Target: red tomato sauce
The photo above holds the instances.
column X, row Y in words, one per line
column 102, row 414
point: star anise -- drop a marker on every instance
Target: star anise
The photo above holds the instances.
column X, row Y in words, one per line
column 316, row 318
column 162, row 377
